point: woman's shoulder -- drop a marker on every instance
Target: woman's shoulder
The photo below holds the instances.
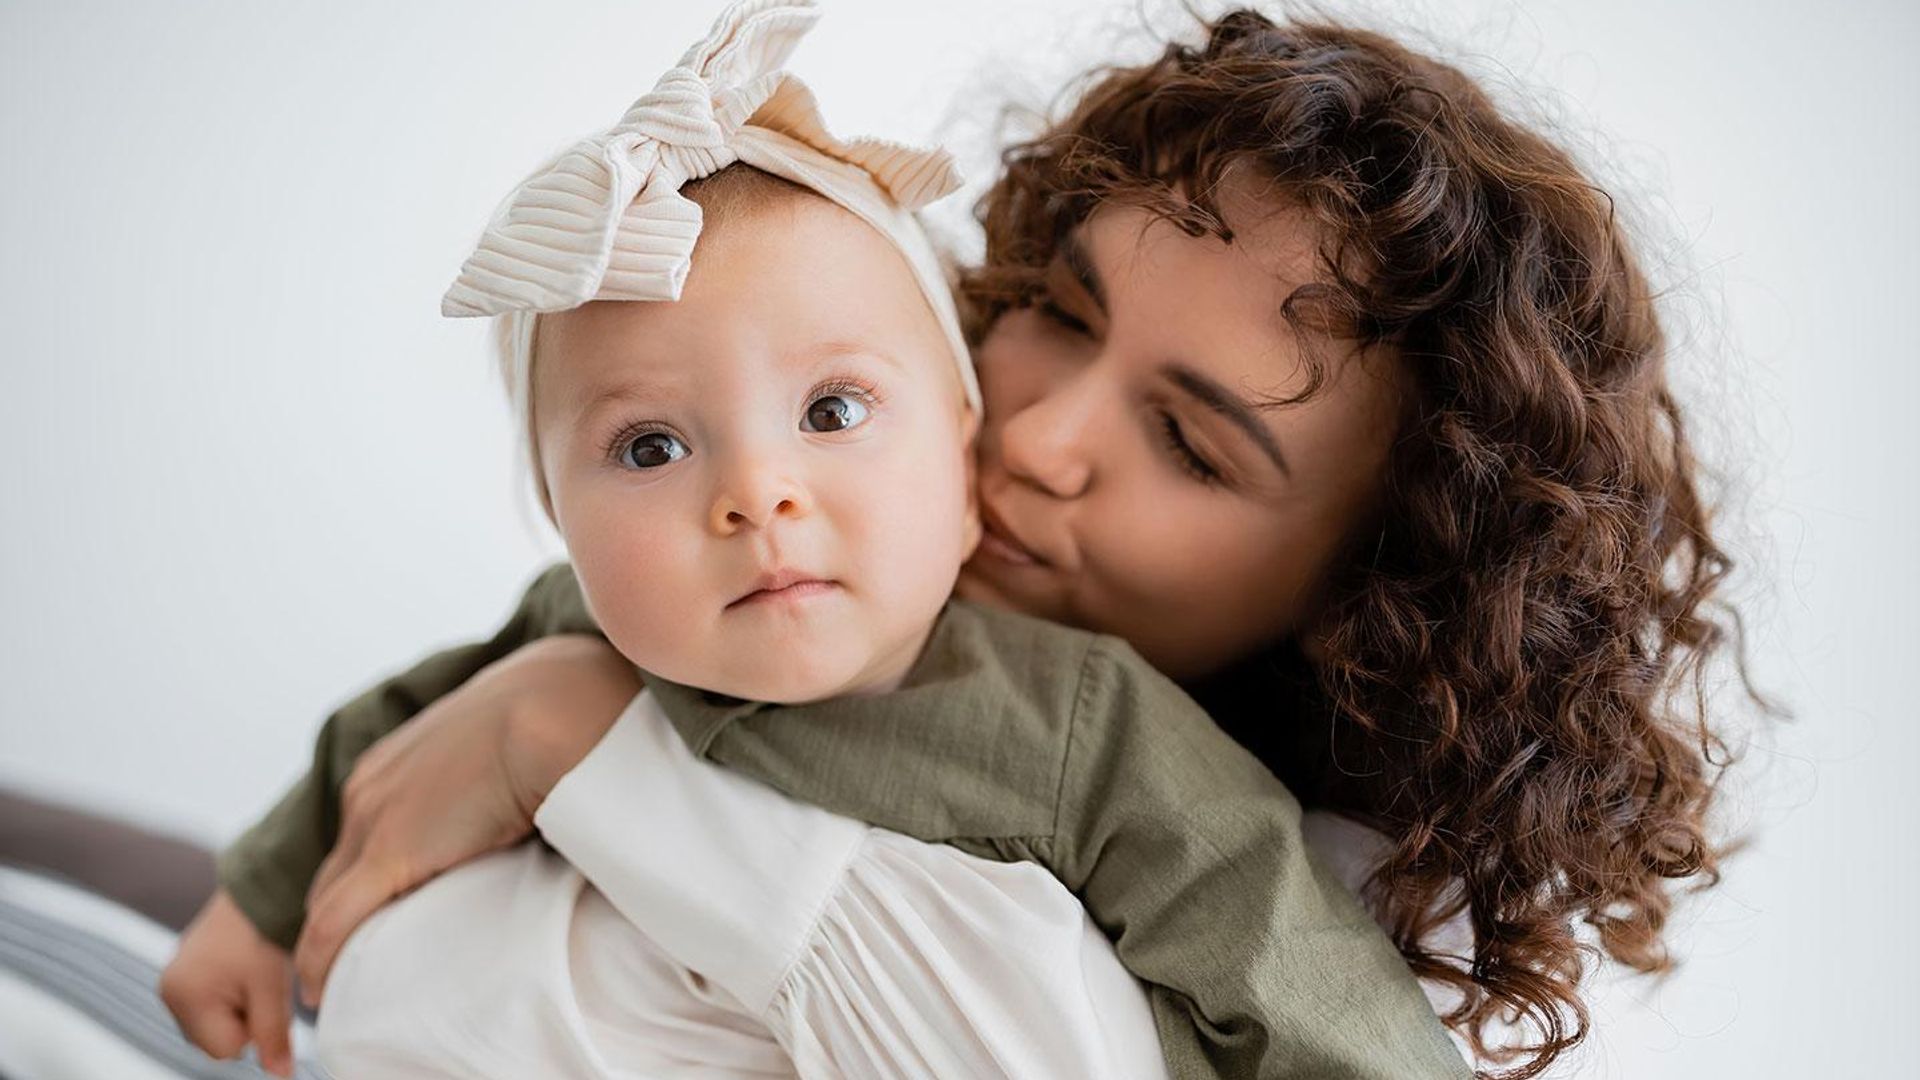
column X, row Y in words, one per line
column 1353, row 849
column 1350, row 848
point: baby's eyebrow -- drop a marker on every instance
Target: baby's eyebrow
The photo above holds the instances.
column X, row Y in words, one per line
column 822, row 352
column 606, row 395
column 633, row 392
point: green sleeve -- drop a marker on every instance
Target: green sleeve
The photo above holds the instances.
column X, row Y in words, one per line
column 1190, row 856
column 269, row 868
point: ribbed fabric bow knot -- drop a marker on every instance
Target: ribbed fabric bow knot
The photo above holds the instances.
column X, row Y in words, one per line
column 606, row 221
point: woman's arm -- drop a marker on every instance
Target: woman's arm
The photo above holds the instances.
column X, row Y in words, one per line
column 269, row 870
column 459, row 780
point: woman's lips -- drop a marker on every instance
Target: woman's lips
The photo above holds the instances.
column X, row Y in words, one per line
column 998, row 542
column 995, row 546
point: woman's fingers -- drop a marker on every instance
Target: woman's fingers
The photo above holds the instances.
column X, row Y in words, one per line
column 270, row 1019
column 357, row 893
column 361, row 809
column 331, row 868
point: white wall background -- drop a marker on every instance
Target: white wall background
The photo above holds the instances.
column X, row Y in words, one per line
column 245, row 466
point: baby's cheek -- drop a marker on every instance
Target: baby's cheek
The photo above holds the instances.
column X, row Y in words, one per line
column 916, row 488
column 640, row 583
column 928, row 537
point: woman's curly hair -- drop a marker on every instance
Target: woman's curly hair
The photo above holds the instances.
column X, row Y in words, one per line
column 1514, row 664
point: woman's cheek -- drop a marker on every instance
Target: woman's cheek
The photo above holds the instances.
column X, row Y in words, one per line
column 1016, row 363
column 1200, row 584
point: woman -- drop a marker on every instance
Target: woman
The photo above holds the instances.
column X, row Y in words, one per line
column 1342, row 398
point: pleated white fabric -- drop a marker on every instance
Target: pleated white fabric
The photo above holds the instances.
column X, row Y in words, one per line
column 733, row 932
column 928, row 962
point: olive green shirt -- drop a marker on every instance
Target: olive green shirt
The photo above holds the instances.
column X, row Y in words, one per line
column 1013, row 739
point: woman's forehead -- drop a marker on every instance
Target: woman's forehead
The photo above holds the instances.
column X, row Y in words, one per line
column 1275, row 245
column 1175, row 301
column 1200, row 300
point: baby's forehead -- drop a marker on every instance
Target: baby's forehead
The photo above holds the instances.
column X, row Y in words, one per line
column 640, row 375
column 776, row 286
column 605, row 362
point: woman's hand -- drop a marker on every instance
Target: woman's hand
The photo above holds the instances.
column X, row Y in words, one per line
column 460, row 779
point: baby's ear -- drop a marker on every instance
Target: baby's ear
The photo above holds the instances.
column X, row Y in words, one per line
column 969, row 436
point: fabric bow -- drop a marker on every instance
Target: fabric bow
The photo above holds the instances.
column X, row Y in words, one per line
column 605, row 219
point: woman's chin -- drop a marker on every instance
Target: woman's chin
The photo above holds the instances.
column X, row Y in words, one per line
column 991, row 583
column 974, row 587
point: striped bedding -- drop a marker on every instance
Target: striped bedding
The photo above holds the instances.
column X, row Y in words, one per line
column 78, row 1000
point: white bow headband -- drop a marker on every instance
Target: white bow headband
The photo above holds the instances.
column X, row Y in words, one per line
column 606, row 221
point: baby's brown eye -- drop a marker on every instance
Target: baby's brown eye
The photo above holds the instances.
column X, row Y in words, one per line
column 833, row 412
column 653, row 449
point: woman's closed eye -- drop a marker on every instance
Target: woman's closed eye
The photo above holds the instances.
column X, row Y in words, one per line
column 1066, row 320
column 1167, row 425
column 1190, row 460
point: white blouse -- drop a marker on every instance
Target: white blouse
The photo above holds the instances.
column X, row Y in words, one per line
column 696, row 923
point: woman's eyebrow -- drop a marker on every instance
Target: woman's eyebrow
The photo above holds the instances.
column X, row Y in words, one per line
column 1074, row 252
column 1225, row 402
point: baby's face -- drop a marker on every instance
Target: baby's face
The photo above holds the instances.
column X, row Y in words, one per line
column 765, row 486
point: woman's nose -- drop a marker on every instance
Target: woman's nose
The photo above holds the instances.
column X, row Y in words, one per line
column 756, row 490
column 1048, row 443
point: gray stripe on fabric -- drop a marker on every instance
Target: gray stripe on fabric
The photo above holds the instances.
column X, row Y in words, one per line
column 115, row 987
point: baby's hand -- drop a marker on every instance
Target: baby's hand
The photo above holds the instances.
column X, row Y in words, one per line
column 228, row 986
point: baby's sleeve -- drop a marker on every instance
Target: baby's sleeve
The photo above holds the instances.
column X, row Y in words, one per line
column 269, row 868
column 866, row 953
column 1189, row 854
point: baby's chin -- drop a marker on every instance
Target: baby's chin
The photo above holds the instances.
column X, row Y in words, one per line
column 788, row 678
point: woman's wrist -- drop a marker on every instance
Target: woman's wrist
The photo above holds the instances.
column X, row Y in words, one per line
column 571, row 688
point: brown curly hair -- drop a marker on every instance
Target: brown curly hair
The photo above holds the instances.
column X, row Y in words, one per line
column 1500, row 662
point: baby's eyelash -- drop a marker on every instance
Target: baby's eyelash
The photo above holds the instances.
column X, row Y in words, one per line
column 847, row 385
column 626, row 434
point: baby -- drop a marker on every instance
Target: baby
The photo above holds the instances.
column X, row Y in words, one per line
column 757, row 452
